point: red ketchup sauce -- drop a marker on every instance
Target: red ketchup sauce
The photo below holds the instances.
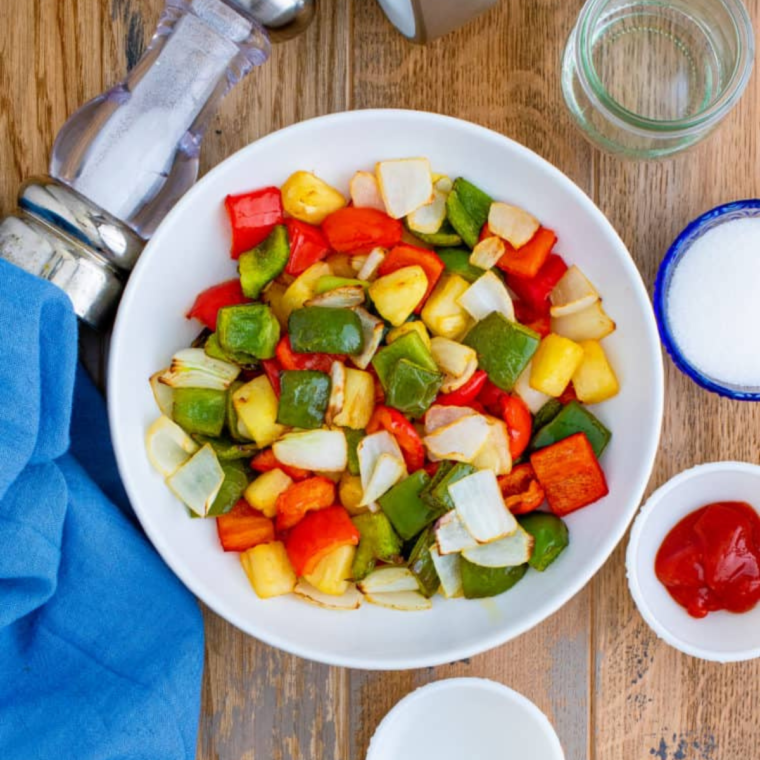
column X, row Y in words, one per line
column 711, row 559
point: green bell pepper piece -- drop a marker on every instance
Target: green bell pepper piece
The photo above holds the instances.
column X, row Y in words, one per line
column 504, row 348
column 353, row 439
column 214, row 349
column 250, row 329
column 457, row 261
column 234, row 483
column 226, row 449
column 200, row 410
column 404, row 507
column 304, row 395
column 446, row 235
column 318, row 329
column 411, row 388
column 574, row 418
column 409, row 346
column 421, row 563
column 547, row 413
column 467, row 210
column 481, row 582
column 551, row 538
column 436, row 495
column 259, row 266
column 331, row 282
column 377, row 541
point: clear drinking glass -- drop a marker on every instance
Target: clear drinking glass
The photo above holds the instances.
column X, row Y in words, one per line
column 648, row 78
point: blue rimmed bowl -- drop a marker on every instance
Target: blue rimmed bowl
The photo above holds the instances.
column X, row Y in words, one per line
column 682, row 245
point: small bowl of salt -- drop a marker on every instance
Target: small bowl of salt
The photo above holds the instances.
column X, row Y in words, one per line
column 707, row 300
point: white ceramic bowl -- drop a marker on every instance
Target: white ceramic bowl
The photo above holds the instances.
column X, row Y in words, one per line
column 189, row 252
column 721, row 636
column 465, row 718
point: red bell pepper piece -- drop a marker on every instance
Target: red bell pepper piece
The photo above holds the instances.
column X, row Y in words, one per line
column 521, row 491
column 539, row 323
column 265, row 461
column 359, row 230
column 243, row 528
column 519, row 423
column 405, row 255
column 289, row 359
column 570, row 474
column 492, row 397
column 272, row 370
column 467, row 394
column 535, row 291
column 317, row 535
column 528, row 260
column 407, row 437
column 253, row 216
column 308, row 245
column 207, row 304
column 568, row 394
column 431, row 468
column 302, row 497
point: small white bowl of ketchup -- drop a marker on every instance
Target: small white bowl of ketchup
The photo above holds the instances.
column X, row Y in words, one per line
column 709, row 559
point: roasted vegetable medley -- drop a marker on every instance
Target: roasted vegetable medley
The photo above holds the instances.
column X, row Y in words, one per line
column 391, row 399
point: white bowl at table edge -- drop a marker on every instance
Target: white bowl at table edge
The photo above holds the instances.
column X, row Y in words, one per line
column 190, row 251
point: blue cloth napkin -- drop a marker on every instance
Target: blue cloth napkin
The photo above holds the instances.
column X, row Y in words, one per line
column 101, row 647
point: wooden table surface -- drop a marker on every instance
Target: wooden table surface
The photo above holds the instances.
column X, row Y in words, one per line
column 611, row 689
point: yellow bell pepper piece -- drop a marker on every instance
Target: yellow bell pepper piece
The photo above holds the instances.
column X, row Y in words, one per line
column 262, row 493
column 269, row 570
column 594, row 380
column 442, row 313
column 554, row 364
column 309, row 198
column 407, row 327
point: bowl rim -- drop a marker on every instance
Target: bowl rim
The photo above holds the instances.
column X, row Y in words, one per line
column 632, row 566
column 517, row 700
column 677, row 250
column 499, row 635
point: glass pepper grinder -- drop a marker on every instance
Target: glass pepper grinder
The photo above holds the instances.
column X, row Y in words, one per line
column 123, row 160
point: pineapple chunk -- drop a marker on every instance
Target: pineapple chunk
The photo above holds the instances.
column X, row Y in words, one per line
column 333, row 572
column 365, row 192
column 302, row 289
column 407, row 327
column 513, row 224
column 405, row 185
column 594, row 380
column 358, row 400
column 269, row 570
column 309, row 198
column 256, row 406
column 262, row 493
column 554, row 364
column 274, row 296
column 397, row 295
column 442, row 313
column 351, row 493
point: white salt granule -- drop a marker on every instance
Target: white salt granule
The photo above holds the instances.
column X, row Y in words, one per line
column 714, row 303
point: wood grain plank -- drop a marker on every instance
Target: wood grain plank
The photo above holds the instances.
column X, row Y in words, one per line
column 651, row 701
column 491, row 72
